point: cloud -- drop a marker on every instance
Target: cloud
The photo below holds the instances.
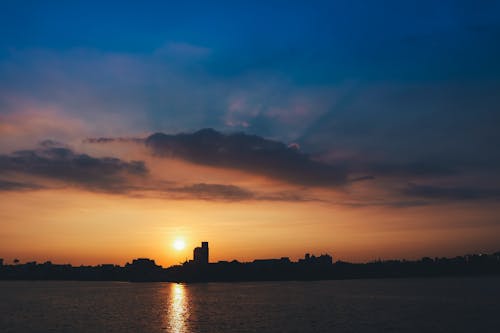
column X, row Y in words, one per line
column 394, row 169
column 7, row 185
column 362, row 178
column 287, row 163
column 53, row 161
column 215, row 192
column 387, row 203
column 227, row 192
column 61, row 163
column 249, row 153
column 451, row 193
column 109, row 140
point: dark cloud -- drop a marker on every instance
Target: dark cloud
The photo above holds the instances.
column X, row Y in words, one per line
column 215, row 192
column 297, row 196
column 61, row 163
column 387, row 203
column 51, row 144
column 362, row 178
column 387, row 169
column 235, row 193
column 56, row 161
column 6, row 185
column 451, row 193
column 249, row 153
column 109, row 140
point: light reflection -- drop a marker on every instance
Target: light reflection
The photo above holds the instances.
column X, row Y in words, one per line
column 178, row 311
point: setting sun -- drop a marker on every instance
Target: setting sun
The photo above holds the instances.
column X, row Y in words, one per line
column 179, row 244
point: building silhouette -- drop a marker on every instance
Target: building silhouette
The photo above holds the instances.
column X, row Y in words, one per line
column 270, row 262
column 200, row 254
column 324, row 259
column 311, row 267
column 140, row 270
column 143, row 263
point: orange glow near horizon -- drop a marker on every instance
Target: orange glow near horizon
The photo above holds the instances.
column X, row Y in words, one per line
column 78, row 227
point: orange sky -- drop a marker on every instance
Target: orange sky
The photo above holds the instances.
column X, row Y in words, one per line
column 67, row 222
column 83, row 227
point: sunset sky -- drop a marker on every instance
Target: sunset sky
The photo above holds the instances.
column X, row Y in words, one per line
column 363, row 129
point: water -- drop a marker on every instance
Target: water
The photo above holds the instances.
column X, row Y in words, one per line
column 405, row 305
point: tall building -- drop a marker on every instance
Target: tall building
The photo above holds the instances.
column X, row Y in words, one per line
column 200, row 254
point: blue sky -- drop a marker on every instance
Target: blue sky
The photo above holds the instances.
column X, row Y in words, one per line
column 371, row 85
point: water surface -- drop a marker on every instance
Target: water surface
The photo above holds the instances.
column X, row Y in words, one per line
column 391, row 305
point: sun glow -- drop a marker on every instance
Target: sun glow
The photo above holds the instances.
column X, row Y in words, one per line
column 179, row 244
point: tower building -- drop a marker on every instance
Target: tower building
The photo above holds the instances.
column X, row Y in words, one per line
column 200, row 254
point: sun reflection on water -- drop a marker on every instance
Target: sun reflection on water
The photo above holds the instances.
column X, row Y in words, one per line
column 178, row 311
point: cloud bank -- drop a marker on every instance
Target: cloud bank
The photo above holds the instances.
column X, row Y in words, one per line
column 63, row 164
column 451, row 193
column 249, row 153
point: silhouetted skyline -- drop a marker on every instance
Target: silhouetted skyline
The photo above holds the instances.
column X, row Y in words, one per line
column 311, row 267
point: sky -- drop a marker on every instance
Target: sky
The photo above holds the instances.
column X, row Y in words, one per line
column 363, row 129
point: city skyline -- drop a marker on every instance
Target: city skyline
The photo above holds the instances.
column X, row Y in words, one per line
column 350, row 128
column 201, row 269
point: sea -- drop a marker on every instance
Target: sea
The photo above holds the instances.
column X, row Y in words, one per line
column 371, row 305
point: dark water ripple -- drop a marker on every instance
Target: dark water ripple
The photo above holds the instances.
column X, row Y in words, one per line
column 406, row 305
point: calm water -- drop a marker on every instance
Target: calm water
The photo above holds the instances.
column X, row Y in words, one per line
column 407, row 305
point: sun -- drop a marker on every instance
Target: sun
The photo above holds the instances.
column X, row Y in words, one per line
column 179, row 244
